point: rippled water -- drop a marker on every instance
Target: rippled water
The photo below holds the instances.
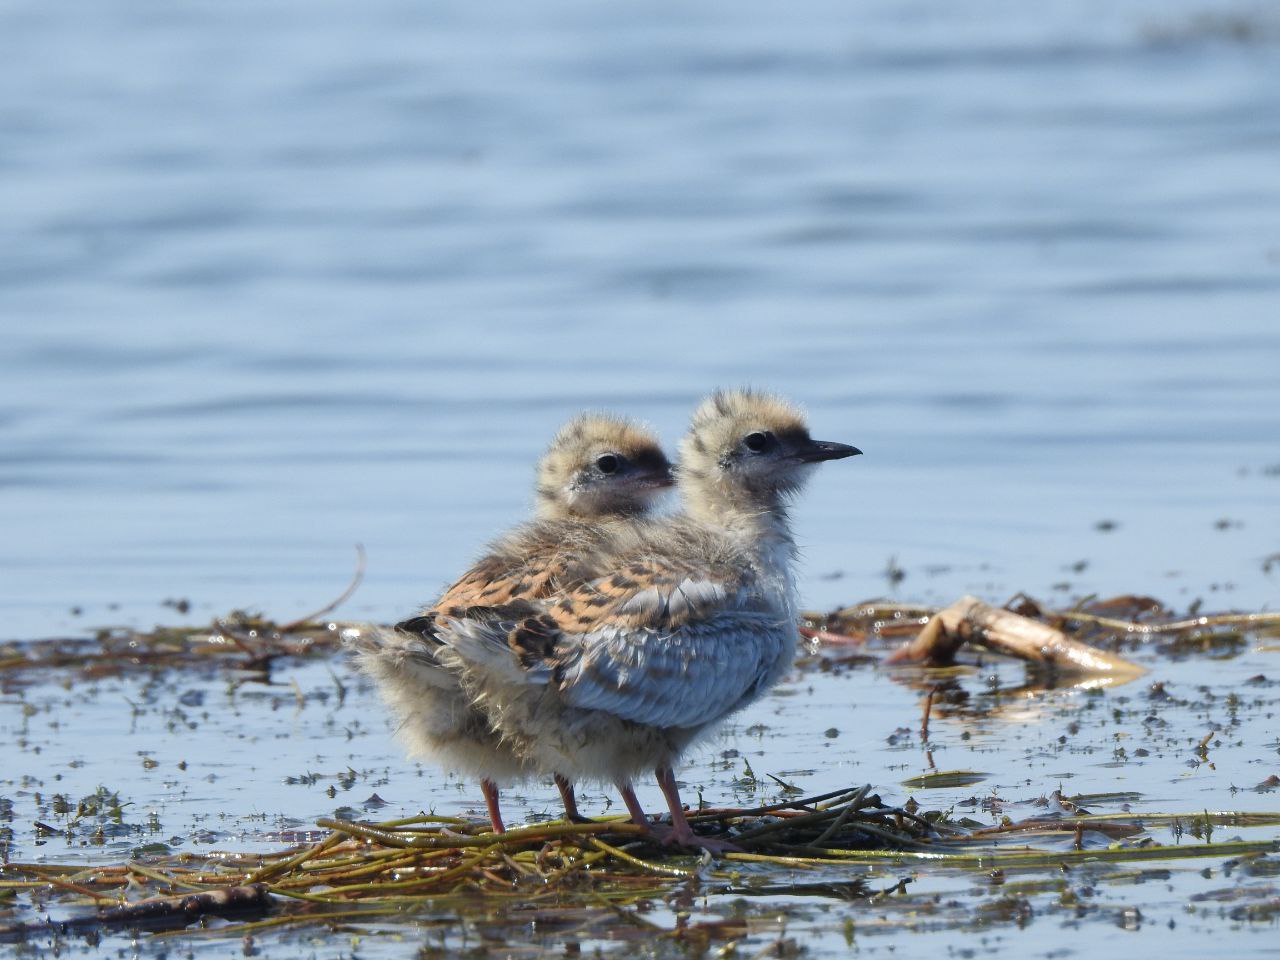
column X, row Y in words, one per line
column 275, row 280
column 209, row 760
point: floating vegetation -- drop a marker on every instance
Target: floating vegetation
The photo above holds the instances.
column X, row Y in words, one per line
column 944, row 778
column 242, row 640
column 1125, row 622
column 360, row 869
column 1085, row 637
column 1024, row 787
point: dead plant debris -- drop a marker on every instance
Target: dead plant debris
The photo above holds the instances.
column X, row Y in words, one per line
column 363, row 869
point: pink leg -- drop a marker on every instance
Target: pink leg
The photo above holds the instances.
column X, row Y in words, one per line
column 681, row 833
column 633, row 806
column 570, row 801
column 490, row 790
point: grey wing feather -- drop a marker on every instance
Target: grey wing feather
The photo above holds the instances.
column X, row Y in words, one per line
column 689, row 598
column 685, row 678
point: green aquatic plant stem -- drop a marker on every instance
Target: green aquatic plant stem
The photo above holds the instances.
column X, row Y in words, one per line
column 898, row 613
column 787, row 823
column 266, row 873
column 1225, row 818
column 46, row 878
column 355, row 859
column 432, row 818
column 245, row 929
column 635, row 861
column 1027, row 856
column 842, row 813
column 580, row 865
column 510, row 838
column 777, row 860
column 1247, row 620
column 429, row 881
column 172, row 882
column 839, row 821
column 729, row 813
column 382, row 865
column 884, row 834
column 402, row 865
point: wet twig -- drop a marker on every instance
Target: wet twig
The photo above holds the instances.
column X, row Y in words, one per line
column 356, row 579
column 156, row 912
column 970, row 620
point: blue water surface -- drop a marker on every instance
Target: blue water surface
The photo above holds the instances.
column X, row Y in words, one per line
column 279, row 279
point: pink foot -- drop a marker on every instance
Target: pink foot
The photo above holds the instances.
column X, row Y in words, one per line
column 680, row 834
column 677, row 837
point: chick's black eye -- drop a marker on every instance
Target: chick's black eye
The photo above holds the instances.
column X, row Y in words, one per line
column 608, row 463
column 757, row 441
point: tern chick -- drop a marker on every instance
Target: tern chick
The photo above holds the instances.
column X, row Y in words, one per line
column 675, row 625
column 598, row 471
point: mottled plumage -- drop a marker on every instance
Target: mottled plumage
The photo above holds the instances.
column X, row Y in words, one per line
column 664, row 629
column 599, row 472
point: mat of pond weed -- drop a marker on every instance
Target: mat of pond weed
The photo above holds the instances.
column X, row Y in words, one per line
column 240, row 784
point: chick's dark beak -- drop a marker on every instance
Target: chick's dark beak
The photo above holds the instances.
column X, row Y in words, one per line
column 656, row 477
column 815, row 451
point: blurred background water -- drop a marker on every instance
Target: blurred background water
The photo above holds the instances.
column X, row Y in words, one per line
column 278, row 279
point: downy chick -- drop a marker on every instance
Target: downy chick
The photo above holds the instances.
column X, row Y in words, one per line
column 676, row 624
column 598, row 471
